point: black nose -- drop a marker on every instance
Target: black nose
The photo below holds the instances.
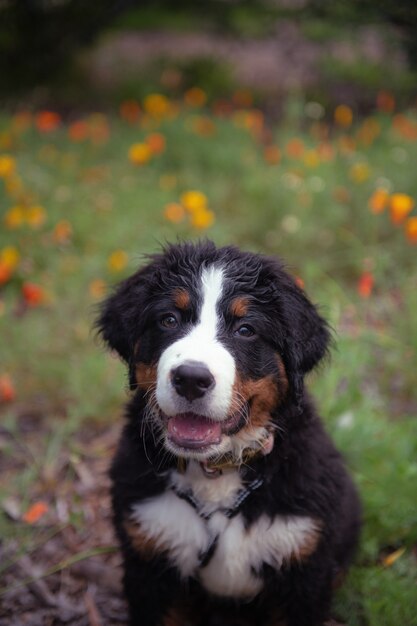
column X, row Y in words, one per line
column 192, row 380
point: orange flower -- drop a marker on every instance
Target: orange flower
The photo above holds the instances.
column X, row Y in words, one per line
column 385, row 101
column 343, row 115
column 62, row 232
column 14, row 217
column 174, row 212
column 139, row 153
column 411, row 229
column 9, row 259
column 47, row 121
column 7, row 389
column 33, row 294
column 195, row 97
column 156, row 143
column 295, row 148
column 117, row 261
column 78, row 131
column 202, row 219
column 97, row 288
column 35, row 512
column 157, row 105
column 5, row 272
column 378, row 201
column 272, row 155
column 325, row 151
column 400, row 206
column 365, row 285
column 369, row 131
column 130, row 111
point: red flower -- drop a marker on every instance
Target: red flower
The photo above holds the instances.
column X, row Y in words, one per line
column 33, row 294
column 47, row 121
column 365, row 285
column 7, row 390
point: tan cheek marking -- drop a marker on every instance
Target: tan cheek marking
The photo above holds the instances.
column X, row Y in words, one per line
column 146, row 546
column 145, row 375
column 181, row 299
column 262, row 393
column 239, row 306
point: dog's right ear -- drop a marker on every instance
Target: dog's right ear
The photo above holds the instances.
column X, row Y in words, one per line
column 121, row 315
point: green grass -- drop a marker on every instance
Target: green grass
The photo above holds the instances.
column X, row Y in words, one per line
column 313, row 213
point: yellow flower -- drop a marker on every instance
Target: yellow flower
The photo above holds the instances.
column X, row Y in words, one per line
column 117, row 261
column 14, row 185
column 378, row 201
column 202, row 218
column 14, row 217
column 343, row 115
column 35, row 216
column 195, row 97
column 400, row 206
column 359, row 172
column 174, row 212
column 9, row 257
column 156, row 105
column 193, row 201
column 97, row 288
column 411, row 229
column 7, row 165
column 311, row 158
column 140, row 153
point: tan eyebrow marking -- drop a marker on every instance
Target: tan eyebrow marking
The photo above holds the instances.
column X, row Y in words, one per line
column 181, row 298
column 239, row 306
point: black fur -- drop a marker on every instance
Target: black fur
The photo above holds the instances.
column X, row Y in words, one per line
column 303, row 475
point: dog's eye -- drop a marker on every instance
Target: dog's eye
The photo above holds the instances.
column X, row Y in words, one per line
column 169, row 321
column 244, row 331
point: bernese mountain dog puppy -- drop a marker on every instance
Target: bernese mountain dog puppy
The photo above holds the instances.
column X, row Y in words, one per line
column 231, row 504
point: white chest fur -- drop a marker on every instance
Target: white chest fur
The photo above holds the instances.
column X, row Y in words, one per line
column 177, row 527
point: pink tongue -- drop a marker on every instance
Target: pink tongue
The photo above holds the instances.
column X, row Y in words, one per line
column 193, row 431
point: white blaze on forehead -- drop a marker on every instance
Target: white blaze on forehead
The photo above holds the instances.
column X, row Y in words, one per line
column 201, row 345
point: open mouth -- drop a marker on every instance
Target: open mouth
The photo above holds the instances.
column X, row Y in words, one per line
column 196, row 432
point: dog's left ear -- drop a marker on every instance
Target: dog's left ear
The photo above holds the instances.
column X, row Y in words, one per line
column 122, row 315
column 305, row 334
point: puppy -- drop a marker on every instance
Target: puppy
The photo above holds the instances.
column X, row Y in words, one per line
column 231, row 504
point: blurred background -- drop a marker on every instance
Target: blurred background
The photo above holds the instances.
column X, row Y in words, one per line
column 287, row 127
